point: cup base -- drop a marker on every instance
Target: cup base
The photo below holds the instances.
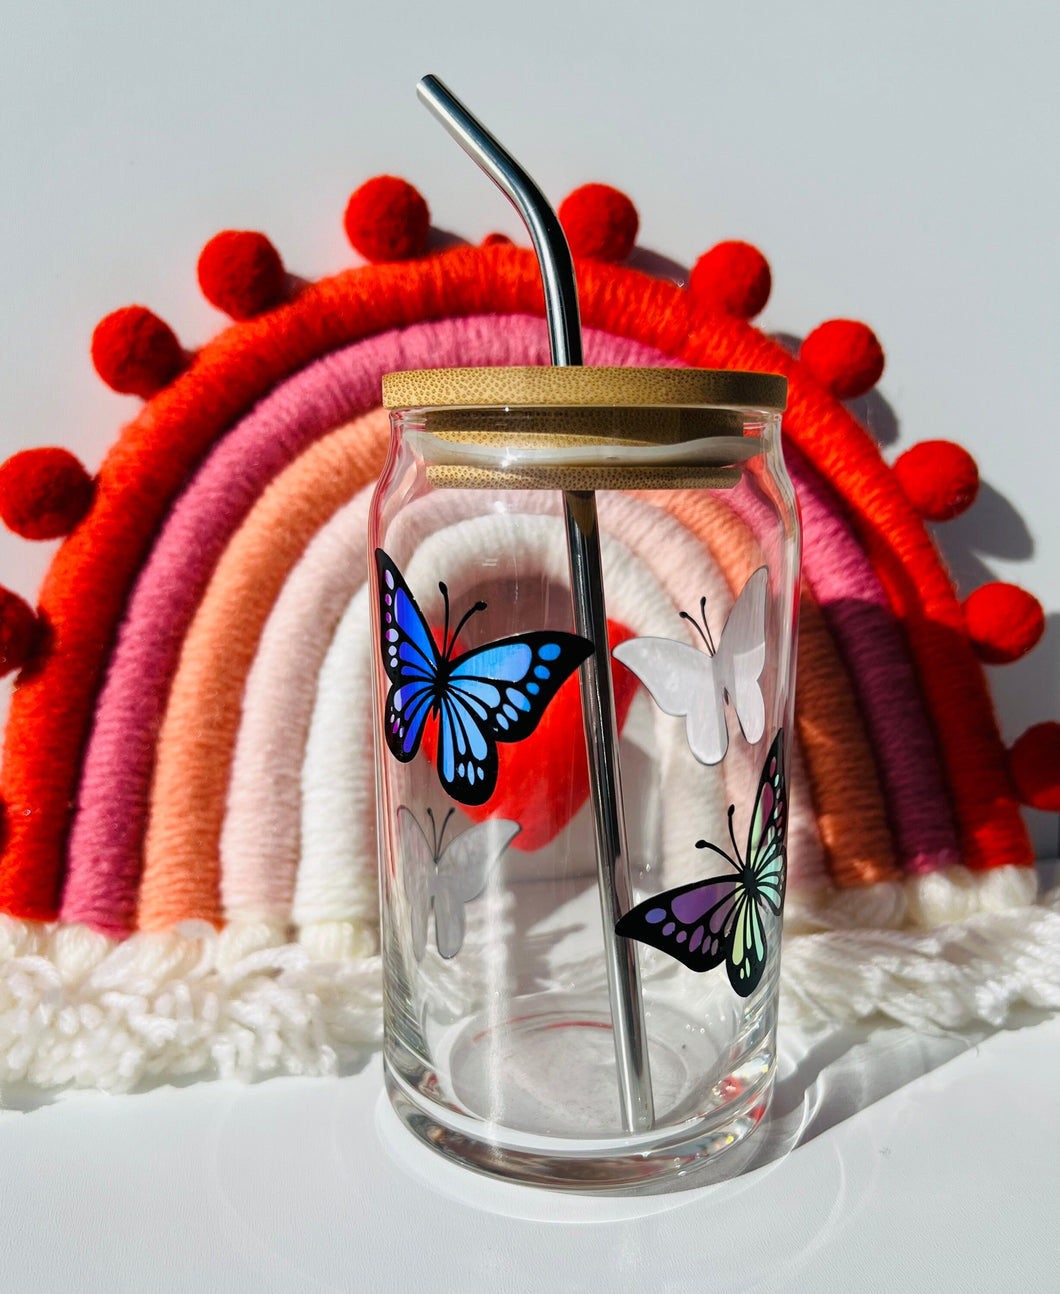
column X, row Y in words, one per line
column 533, row 1099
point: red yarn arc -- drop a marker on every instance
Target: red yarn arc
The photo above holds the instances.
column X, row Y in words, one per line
column 732, row 277
column 940, row 479
column 600, row 222
column 1004, row 622
column 844, row 356
column 19, row 632
column 86, row 587
column 135, row 352
column 44, row 493
column 387, row 220
column 241, row 273
column 1034, row 762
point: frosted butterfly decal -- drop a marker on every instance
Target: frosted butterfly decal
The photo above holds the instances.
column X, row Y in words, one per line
column 445, row 879
column 695, row 685
column 493, row 693
column 724, row 918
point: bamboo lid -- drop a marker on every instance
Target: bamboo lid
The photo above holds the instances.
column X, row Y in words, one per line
column 578, row 385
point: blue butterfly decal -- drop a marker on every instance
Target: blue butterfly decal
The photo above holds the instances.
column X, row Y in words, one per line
column 723, row 919
column 493, row 693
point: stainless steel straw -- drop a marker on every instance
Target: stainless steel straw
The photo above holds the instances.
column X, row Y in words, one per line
column 590, row 617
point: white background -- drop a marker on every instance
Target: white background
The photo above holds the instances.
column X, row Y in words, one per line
column 896, row 163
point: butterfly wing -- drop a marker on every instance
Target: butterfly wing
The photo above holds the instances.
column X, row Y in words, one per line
column 763, row 875
column 745, row 957
column 461, row 876
column 682, row 682
column 498, row 693
column 410, row 658
column 766, row 840
column 417, row 868
column 741, row 655
column 693, row 923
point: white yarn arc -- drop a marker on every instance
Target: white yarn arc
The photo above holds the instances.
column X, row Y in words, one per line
column 336, row 874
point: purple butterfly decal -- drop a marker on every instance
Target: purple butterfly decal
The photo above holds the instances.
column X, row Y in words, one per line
column 723, row 919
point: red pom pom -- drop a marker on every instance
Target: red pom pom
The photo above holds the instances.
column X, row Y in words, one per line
column 387, row 220
column 844, row 357
column 1034, row 763
column 732, row 277
column 135, row 353
column 44, row 493
column 18, row 632
column 939, row 478
column 600, row 222
column 1004, row 622
column 241, row 273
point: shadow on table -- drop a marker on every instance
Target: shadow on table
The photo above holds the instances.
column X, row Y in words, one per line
column 826, row 1078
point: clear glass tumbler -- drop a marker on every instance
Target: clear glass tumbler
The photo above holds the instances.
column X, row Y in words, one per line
column 501, row 1049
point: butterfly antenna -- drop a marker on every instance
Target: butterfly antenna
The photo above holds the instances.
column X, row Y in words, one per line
column 691, row 620
column 732, row 835
column 441, row 834
column 434, row 833
column 709, row 640
column 445, row 637
column 479, row 606
column 717, row 849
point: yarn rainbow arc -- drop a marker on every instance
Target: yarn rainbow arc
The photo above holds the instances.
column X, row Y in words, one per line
column 136, row 751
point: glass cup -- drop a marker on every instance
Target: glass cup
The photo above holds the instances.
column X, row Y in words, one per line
column 502, row 1046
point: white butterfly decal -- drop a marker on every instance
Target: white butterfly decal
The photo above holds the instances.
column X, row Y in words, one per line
column 446, row 879
column 695, row 685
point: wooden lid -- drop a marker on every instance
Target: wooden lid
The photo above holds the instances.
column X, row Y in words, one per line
column 544, row 385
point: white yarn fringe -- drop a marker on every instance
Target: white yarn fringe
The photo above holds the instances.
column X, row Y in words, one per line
column 79, row 1010
column 979, row 969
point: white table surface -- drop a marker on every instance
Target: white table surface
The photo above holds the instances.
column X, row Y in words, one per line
column 892, row 1162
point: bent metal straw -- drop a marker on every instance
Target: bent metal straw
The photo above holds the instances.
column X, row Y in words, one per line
column 590, row 615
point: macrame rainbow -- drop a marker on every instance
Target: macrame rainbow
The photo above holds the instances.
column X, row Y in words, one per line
column 190, row 746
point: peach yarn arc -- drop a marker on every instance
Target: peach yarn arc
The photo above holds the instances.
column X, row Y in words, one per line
column 181, row 877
